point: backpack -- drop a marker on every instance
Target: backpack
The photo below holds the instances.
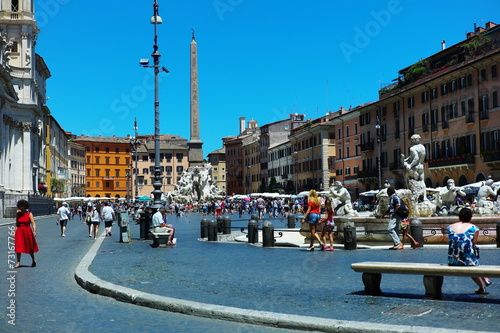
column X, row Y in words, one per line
column 403, row 210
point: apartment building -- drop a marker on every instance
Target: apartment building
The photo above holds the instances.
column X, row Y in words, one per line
column 217, row 160
column 173, row 162
column 77, row 182
column 312, row 149
column 451, row 100
column 108, row 166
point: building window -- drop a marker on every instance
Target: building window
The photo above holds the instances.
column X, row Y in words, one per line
column 411, row 102
column 425, row 97
column 107, row 159
column 117, row 160
column 107, row 149
column 494, row 73
column 494, row 99
column 444, row 89
column 107, row 172
column 97, row 184
column 144, row 158
column 117, row 150
column 117, row 172
column 145, row 171
column 434, row 120
column 434, row 93
column 482, row 75
column 355, row 128
column 179, row 168
column 96, row 149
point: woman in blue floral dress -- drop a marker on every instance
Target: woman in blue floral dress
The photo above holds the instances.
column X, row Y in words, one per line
column 463, row 235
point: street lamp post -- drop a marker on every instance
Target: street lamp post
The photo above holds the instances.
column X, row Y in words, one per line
column 296, row 154
column 157, row 179
column 377, row 127
column 135, row 143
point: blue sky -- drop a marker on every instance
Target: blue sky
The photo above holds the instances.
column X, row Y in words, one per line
column 257, row 59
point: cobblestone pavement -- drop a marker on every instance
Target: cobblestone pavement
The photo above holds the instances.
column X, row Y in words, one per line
column 294, row 281
column 48, row 299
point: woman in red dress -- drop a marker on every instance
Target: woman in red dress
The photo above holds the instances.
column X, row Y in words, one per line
column 24, row 237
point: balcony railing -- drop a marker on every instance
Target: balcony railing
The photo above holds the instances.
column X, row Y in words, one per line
column 453, row 160
column 491, row 156
column 367, row 146
column 395, row 166
column 368, row 174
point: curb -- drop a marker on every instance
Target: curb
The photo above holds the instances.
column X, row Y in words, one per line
column 95, row 285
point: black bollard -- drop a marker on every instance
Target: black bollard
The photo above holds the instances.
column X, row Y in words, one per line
column 417, row 231
column 349, row 237
column 220, row 224
column 253, row 231
column 291, row 221
column 254, row 217
column 268, row 234
column 498, row 234
column 212, row 231
column 203, row 228
column 227, row 225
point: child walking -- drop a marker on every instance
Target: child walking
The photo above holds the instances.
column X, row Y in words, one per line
column 330, row 224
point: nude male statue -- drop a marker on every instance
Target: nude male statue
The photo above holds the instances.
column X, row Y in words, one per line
column 414, row 163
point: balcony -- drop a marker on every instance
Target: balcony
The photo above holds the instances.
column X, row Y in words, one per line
column 491, row 156
column 395, row 166
column 368, row 174
column 450, row 161
column 368, row 146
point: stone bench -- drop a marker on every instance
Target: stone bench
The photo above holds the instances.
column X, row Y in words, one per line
column 433, row 274
column 161, row 235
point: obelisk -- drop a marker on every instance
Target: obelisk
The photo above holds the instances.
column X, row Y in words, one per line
column 195, row 144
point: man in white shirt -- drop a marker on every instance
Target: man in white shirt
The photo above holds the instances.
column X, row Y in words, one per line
column 108, row 215
column 159, row 217
column 63, row 214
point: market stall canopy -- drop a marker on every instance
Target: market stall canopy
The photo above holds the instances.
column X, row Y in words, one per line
column 144, row 198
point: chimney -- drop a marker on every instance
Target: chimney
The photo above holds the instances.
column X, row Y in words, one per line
column 470, row 35
column 443, row 45
column 490, row 25
column 242, row 125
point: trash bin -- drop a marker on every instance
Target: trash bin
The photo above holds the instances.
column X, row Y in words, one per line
column 291, row 221
column 268, row 234
column 203, row 228
column 212, row 231
column 226, row 225
column 253, row 231
column 123, row 223
column 417, row 231
column 350, row 237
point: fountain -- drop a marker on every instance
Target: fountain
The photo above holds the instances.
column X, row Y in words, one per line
column 195, row 185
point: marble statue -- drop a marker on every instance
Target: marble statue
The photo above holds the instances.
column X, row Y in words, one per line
column 485, row 206
column 448, row 196
column 383, row 200
column 338, row 191
column 415, row 195
column 195, row 186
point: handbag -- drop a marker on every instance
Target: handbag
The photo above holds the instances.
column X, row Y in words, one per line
column 475, row 249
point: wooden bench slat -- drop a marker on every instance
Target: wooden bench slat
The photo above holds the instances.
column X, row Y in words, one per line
column 425, row 269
